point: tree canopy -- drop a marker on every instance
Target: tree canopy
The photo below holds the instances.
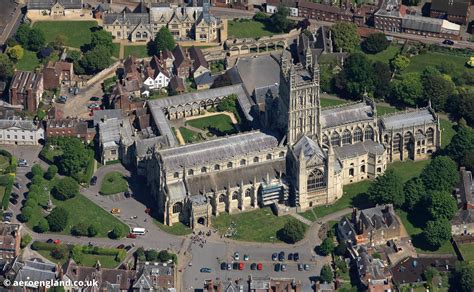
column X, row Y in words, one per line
column 326, row 274
column 382, row 77
column 74, row 158
column 6, row 67
column 345, row 36
column 436, row 233
column 164, row 40
column 408, row 89
column 400, row 62
column 15, row 53
column 96, row 59
column 461, row 143
column 66, row 188
column 279, row 20
column 441, row 174
column 57, row 219
column 102, row 38
column 436, row 87
column 293, row 231
column 375, row 43
column 414, row 190
column 463, row 277
column 36, row 40
column 326, row 247
column 356, row 77
column 387, row 189
column 442, row 205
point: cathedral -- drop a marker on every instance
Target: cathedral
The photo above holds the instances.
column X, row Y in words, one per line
column 300, row 155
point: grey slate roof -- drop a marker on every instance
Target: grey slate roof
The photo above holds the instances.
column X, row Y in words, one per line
column 454, row 7
column 47, row 4
column 357, row 149
column 309, row 148
column 36, row 271
column 162, row 124
column 408, row 119
column 204, row 79
column 22, row 124
column 421, row 23
column 143, row 146
column 133, row 18
column 107, row 114
column 346, row 114
column 216, row 150
column 176, row 190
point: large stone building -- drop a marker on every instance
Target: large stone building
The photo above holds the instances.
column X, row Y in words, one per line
column 185, row 23
column 54, row 7
column 26, row 90
column 297, row 155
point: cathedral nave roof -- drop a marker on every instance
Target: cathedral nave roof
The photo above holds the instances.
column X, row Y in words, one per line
column 341, row 115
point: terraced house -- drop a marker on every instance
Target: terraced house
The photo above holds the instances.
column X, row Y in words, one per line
column 185, row 23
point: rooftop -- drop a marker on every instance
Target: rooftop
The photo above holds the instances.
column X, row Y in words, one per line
column 408, row 119
column 360, row 148
column 345, row 114
column 451, row 7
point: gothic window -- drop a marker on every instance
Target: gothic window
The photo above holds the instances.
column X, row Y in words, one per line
column 229, row 164
column 242, row 162
column 325, row 140
column 203, row 169
column 407, row 140
column 346, row 137
column 282, row 154
column 300, row 121
column 221, row 198
column 255, row 159
column 217, row 167
column 310, row 119
column 351, row 172
column 358, row 135
column 430, row 136
column 269, row 156
column 386, row 138
column 369, row 133
column 177, row 207
column 139, row 35
column 335, row 139
column 248, row 193
column 301, row 100
column 176, row 175
column 190, row 172
column 362, row 169
column 316, row 180
column 235, row 196
column 396, row 143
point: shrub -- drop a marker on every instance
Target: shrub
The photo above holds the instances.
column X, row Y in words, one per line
column 116, row 233
column 59, row 252
column 42, row 226
column 80, row 229
column 92, row 230
column 375, row 43
column 39, row 245
column 26, row 213
column 25, row 240
column 164, row 256
column 7, row 193
column 140, row 254
column 151, row 255
column 57, row 219
column 76, row 254
column 37, row 170
column 292, row 232
column 327, row 246
column 121, row 254
column 51, row 172
column 65, row 189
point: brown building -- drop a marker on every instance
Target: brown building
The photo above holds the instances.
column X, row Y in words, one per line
column 389, row 16
column 177, row 85
column 456, row 11
column 55, row 73
column 69, row 128
column 323, row 12
column 26, row 90
column 182, row 63
column 155, row 277
column 200, row 65
column 10, row 238
column 410, row 270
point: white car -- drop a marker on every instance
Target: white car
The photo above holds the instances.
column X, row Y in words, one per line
column 246, row 257
column 236, row 256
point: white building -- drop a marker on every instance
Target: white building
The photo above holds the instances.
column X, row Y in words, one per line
column 273, row 9
column 156, row 78
column 20, row 132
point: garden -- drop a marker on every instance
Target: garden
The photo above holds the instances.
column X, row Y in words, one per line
column 113, row 183
column 76, row 33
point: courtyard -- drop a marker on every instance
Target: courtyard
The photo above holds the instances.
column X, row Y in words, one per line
column 246, row 28
column 113, row 183
column 76, row 33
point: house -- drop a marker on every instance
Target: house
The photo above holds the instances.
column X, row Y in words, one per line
column 10, row 237
column 323, row 12
column 26, row 89
column 372, row 272
column 155, row 277
column 100, row 10
column 32, row 273
column 69, row 128
column 431, row 27
column 324, row 287
column 20, row 132
column 410, row 270
column 54, row 7
column 204, row 81
column 270, row 284
column 182, row 63
column 224, row 285
column 156, row 75
column 55, row 73
column 463, row 221
column 200, row 65
column 176, row 85
column 389, row 16
column 167, row 59
column 292, row 5
column 456, row 11
column 374, row 226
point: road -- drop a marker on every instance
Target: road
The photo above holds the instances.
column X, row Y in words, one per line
column 210, row 254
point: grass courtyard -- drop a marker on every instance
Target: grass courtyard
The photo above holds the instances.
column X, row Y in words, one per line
column 88, row 260
column 328, row 102
column 136, row 51
column 218, row 125
column 419, row 62
column 29, row 62
column 386, row 55
column 190, row 136
column 248, row 29
column 177, row 228
column 247, row 227
column 467, row 251
column 77, row 33
column 113, row 183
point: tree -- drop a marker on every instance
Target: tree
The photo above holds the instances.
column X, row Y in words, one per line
column 340, row 249
column 407, row 90
column 51, row 172
column 442, row 205
column 345, row 36
column 80, row 229
column 26, row 213
column 75, row 58
column 57, row 219
column 140, row 254
column 466, row 107
column 461, row 143
column 25, row 240
column 387, row 189
column 260, row 16
column 164, row 40
column 326, row 247
column 116, row 233
column 441, row 174
column 36, row 39
column 60, row 252
column 356, row 77
column 279, row 20
column 76, row 254
column 74, row 158
column 164, row 256
column 382, row 76
column 37, row 170
column 66, row 188
column 59, row 42
column 375, row 43
column 429, row 273
column 293, row 231
column 436, row 233
column 468, row 160
column 92, row 230
column 96, row 59
column 436, row 87
column 6, row 67
column 102, row 38
column 42, row 226
column 151, row 255
column 326, row 274
column 15, row 53
column 400, row 63
column 23, row 34
column 303, row 25
column 414, row 193
column 463, row 277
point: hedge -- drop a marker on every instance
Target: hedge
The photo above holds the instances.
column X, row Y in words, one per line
column 8, row 192
column 39, row 245
column 89, row 170
column 100, row 250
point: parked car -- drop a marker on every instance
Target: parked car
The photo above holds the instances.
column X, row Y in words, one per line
column 76, row 90
column 13, row 201
column 259, row 266
column 281, row 256
column 235, row 266
column 283, row 267
column 229, row 267
column 296, row 256
column 49, row 241
column 223, row 266
column 14, row 195
column 246, row 257
column 127, row 194
column 23, row 163
column 93, row 180
column 290, row 256
column 57, row 241
column 115, row 211
column 131, row 235
column 306, row 267
column 277, row 267
column 17, row 185
column 300, row 267
column 274, row 257
column 121, row 246
column 94, row 98
column 253, row 266
column 236, row 256
column 93, row 105
column 128, row 247
column 241, row 266
column 206, row 270
column 448, row 42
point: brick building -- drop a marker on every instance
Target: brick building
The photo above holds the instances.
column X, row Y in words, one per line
column 10, row 238
column 69, row 128
column 456, row 11
column 55, row 73
column 26, row 90
column 389, row 16
column 323, row 12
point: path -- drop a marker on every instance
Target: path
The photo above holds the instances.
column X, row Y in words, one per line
column 209, row 114
column 179, row 136
column 301, row 219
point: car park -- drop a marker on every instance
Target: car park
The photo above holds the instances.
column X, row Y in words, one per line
column 259, row 266
column 253, row 266
column 277, row 267
column 274, row 257
column 281, row 256
column 93, row 180
column 205, row 270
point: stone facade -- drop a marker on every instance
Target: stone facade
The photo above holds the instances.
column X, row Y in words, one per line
column 54, row 7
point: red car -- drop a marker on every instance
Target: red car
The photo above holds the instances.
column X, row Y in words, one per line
column 259, row 266
column 121, row 246
column 131, row 235
column 57, row 241
column 148, row 210
column 241, row 266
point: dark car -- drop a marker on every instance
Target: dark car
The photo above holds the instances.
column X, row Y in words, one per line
column 277, row 267
column 296, row 256
column 448, row 42
column 290, row 256
column 127, row 194
column 281, row 256
column 17, row 185
column 94, row 180
column 253, row 266
column 128, row 247
column 49, row 241
column 206, row 270
column 121, row 246
column 274, row 257
column 94, row 98
column 223, row 266
column 14, row 196
column 235, row 266
column 13, row 201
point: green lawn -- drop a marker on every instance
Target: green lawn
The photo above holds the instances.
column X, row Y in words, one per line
column 177, row 228
column 2, row 192
column 116, row 50
column 247, row 226
column 420, row 62
column 136, row 51
column 219, row 124
column 248, row 29
column 386, row 55
column 113, row 183
column 383, row 109
column 89, row 260
column 327, row 102
column 4, row 162
column 190, row 136
column 77, row 33
column 408, row 169
column 447, row 133
column 29, row 61
column 467, row 251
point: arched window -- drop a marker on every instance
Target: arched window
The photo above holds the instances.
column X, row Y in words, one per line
column 269, row 156
column 243, row 162
column 203, row 169
column 229, row 164
column 282, row 154
column 300, row 121
column 369, row 133
column 248, row 193
column 316, row 180
column 346, row 137
column 407, row 140
column 430, row 136
column 301, row 100
column 221, row 198
column 362, row 169
column 397, row 143
column 325, row 140
column 255, row 159
column 358, row 135
column 217, row 167
column 386, row 138
column 351, row 172
column 310, row 119
column 335, row 139
column 145, row 35
column 190, row 172
column 177, row 207
column 139, row 34
column 176, row 175
column 235, row 196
